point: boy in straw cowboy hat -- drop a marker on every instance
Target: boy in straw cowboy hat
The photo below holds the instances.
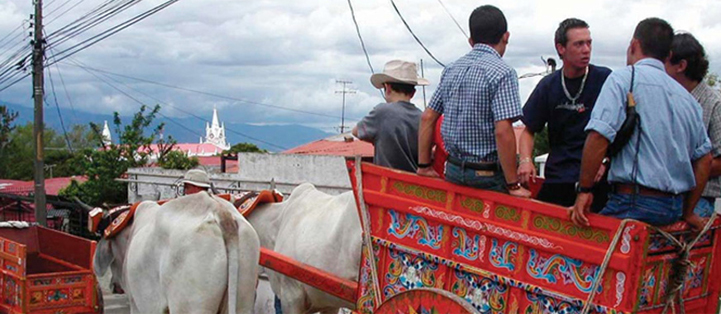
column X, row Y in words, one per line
column 392, row 126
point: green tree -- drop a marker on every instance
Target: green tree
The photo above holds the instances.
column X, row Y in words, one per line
column 102, row 166
column 6, row 128
column 244, row 148
column 540, row 143
column 178, row 160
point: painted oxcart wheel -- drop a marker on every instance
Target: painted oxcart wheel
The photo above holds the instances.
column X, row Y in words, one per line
column 426, row 300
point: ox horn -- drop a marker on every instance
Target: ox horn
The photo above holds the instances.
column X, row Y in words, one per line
column 84, row 206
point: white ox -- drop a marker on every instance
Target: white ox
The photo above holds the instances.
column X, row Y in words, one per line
column 194, row 255
column 317, row 229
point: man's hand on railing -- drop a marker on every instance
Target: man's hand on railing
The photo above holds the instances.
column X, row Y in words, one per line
column 580, row 208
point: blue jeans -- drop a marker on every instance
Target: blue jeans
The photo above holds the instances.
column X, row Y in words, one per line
column 705, row 207
column 653, row 210
column 476, row 179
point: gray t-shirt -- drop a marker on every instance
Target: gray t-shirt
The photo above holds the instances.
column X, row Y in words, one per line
column 393, row 130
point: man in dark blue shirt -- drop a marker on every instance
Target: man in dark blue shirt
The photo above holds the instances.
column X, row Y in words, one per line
column 563, row 100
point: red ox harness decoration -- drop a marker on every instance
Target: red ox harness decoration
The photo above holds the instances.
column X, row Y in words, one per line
column 122, row 216
column 248, row 201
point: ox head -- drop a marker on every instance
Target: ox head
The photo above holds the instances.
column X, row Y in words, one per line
column 109, row 251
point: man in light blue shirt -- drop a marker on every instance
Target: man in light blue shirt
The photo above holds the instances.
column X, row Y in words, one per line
column 658, row 176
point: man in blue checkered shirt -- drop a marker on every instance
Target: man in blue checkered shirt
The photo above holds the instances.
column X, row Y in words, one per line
column 478, row 96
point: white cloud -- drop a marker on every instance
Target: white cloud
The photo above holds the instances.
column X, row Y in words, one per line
column 289, row 53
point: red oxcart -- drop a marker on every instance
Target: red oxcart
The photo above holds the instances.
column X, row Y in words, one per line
column 47, row 271
column 434, row 247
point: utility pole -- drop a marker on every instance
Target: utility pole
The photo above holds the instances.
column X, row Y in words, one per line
column 344, row 91
column 38, row 95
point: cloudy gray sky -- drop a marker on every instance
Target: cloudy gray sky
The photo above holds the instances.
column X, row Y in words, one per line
column 290, row 53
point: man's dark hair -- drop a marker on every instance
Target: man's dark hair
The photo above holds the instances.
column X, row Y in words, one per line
column 406, row 89
column 563, row 27
column 686, row 47
column 655, row 36
column 487, row 24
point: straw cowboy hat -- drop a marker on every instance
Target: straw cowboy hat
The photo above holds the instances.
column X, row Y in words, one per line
column 197, row 177
column 398, row 71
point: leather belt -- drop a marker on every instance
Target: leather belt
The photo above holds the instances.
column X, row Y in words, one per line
column 627, row 188
column 484, row 166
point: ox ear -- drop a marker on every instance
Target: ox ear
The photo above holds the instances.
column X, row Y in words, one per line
column 103, row 257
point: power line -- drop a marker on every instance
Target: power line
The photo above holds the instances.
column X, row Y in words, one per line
column 209, row 93
column 169, row 105
column 357, row 29
column 453, row 18
column 60, row 115
column 84, row 44
column 141, row 103
column 64, row 12
column 111, row 31
column 414, row 35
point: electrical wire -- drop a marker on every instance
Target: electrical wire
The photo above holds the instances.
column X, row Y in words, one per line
column 414, row 35
column 454, row 19
column 188, row 112
column 357, row 29
column 60, row 115
column 210, row 94
column 82, row 45
column 141, row 103
column 67, row 95
column 109, row 32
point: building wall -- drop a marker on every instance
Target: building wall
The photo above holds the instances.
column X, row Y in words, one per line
column 256, row 172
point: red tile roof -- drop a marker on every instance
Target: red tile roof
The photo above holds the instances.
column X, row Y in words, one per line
column 339, row 145
column 52, row 186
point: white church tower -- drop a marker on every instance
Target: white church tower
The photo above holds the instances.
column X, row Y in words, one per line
column 215, row 132
column 107, row 139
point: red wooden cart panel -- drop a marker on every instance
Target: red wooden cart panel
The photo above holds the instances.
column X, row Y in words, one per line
column 46, row 271
column 510, row 255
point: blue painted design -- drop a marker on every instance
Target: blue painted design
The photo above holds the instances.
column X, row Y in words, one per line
column 503, row 257
column 415, row 227
column 466, row 247
column 568, row 270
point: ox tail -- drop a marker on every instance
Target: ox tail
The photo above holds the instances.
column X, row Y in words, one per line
column 229, row 227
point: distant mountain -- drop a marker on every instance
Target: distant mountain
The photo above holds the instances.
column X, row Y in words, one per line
column 188, row 130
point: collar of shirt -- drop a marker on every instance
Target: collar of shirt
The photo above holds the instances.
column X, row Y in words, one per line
column 654, row 63
column 487, row 49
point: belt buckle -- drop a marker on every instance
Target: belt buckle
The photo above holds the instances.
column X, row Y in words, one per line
column 484, row 173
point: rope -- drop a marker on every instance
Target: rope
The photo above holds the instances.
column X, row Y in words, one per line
column 604, row 266
column 366, row 220
column 680, row 267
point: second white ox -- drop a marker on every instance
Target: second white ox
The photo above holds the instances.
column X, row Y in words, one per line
column 317, row 229
column 194, row 254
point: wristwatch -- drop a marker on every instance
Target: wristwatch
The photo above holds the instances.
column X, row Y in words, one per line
column 580, row 189
column 420, row 165
column 513, row 186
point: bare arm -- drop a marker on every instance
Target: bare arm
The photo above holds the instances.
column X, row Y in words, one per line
column 715, row 167
column 506, row 144
column 354, row 131
column 526, row 169
column 701, row 169
column 425, row 140
column 593, row 152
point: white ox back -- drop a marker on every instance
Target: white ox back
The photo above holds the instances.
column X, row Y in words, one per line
column 317, row 229
column 194, row 254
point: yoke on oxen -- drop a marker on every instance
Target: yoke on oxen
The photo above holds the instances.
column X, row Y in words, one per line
column 118, row 218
